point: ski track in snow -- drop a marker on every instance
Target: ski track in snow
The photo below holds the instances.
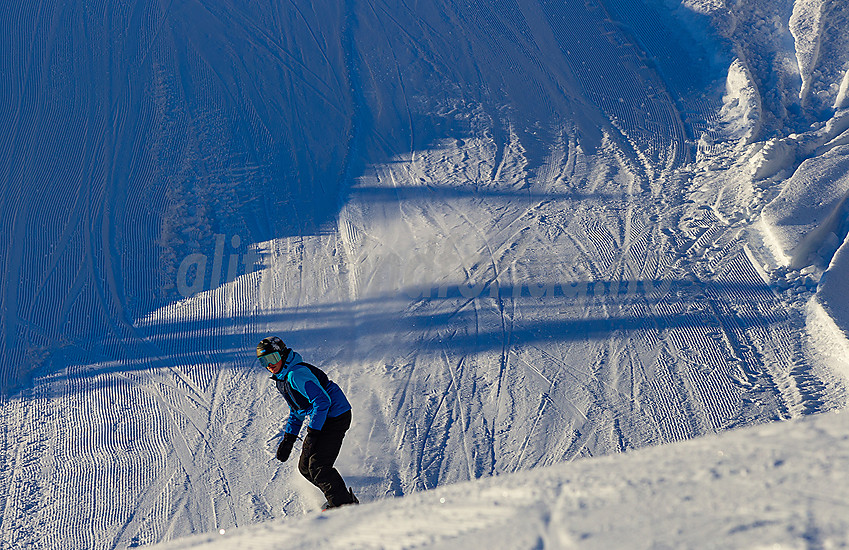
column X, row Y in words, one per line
column 500, row 262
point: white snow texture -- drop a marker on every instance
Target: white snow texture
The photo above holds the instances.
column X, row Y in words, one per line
column 581, row 268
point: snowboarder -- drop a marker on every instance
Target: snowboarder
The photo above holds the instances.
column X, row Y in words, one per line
column 309, row 392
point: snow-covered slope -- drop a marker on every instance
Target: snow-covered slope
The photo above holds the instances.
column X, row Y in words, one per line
column 516, row 233
column 777, row 486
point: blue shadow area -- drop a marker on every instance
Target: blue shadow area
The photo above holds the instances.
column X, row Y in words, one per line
column 139, row 136
column 554, row 317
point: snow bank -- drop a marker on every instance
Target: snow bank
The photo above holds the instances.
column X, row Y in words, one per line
column 806, row 28
column 779, row 485
column 830, row 342
column 834, row 290
column 809, row 211
column 806, row 226
column 741, row 108
column 842, row 99
column 796, row 51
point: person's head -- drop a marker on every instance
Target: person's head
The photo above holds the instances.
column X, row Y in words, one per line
column 272, row 353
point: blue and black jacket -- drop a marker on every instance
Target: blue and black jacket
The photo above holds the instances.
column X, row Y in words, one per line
column 308, row 392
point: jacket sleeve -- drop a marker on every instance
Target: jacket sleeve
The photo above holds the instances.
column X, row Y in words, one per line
column 294, row 422
column 307, row 384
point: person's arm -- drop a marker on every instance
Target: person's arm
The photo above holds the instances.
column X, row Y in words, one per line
column 307, row 384
column 294, row 423
column 293, row 427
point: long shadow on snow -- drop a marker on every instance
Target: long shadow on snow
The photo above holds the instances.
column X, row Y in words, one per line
column 483, row 193
column 321, row 330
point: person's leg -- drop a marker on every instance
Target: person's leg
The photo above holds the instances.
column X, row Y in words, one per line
column 317, row 465
column 304, row 466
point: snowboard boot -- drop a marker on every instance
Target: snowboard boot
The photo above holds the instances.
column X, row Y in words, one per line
column 354, row 500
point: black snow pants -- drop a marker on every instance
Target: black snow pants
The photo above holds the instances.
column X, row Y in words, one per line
column 316, row 463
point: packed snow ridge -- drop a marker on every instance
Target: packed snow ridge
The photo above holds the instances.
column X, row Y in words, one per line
column 581, row 269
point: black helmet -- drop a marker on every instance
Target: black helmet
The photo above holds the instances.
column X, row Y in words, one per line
column 270, row 345
column 271, row 351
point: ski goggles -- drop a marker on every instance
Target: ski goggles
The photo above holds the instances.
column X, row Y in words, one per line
column 269, row 359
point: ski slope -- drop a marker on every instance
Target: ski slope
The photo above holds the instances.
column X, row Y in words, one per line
column 775, row 486
column 517, row 234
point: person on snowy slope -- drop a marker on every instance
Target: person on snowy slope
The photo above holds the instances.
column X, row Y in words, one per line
column 309, row 392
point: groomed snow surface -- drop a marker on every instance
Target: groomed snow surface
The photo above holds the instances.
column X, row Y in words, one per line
column 778, row 486
column 550, row 250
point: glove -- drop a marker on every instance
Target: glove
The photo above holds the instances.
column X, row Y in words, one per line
column 285, row 447
column 310, row 439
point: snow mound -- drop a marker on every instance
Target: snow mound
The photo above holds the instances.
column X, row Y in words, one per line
column 835, row 288
column 806, row 27
column 808, row 213
column 807, row 223
column 741, row 109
